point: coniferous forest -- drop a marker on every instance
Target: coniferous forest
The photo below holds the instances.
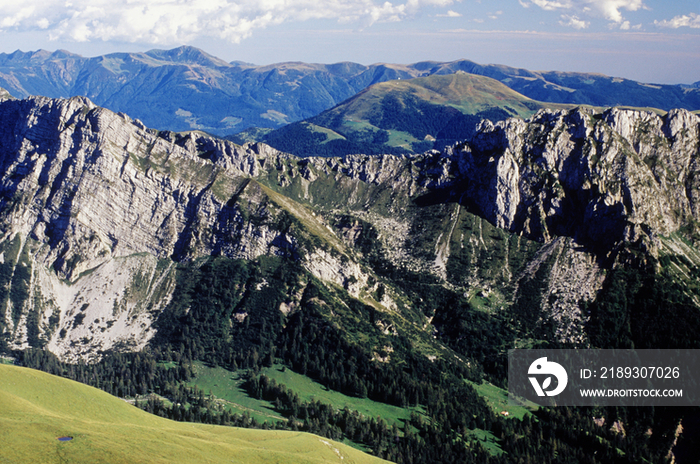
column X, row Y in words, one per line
column 309, row 343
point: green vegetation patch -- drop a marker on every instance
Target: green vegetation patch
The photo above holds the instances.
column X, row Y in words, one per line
column 497, row 399
column 309, row 390
column 36, row 409
column 330, row 134
column 226, row 386
column 487, row 440
column 401, row 139
column 305, row 218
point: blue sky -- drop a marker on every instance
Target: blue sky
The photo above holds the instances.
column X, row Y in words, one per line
column 645, row 40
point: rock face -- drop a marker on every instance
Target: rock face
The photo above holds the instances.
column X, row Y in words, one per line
column 599, row 178
column 88, row 185
column 622, row 175
column 83, row 189
column 95, row 208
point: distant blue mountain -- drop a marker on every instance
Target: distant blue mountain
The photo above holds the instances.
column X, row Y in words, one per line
column 186, row 88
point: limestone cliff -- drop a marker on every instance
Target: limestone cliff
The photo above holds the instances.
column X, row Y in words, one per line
column 95, row 208
column 620, row 175
column 83, row 188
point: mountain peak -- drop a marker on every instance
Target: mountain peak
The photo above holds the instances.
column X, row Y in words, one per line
column 228, row 98
column 187, row 55
column 405, row 116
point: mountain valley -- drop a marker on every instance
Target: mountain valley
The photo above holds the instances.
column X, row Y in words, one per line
column 136, row 258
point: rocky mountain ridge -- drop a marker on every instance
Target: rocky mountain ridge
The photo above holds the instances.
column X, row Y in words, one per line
column 95, row 209
column 624, row 174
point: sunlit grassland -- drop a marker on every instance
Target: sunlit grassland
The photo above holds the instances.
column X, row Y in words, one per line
column 37, row 408
column 497, row 399
column 226, row 385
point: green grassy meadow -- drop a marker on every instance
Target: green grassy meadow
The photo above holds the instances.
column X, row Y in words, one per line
column 497, row 399
column 226, row 386
column 37, row 408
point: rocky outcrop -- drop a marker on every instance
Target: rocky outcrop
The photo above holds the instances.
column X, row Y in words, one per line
column 85, row 191
column 87, row 185
column 602, row 178
column 95, row 208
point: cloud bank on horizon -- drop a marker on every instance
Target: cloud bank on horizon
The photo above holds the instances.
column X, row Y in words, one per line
column 165, row 22
column 176, row 21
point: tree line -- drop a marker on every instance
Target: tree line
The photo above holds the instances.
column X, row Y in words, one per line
column 199, row 326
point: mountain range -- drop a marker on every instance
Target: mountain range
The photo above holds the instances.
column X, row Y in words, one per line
column 402, row 116
column 120, row 238
column 186, row 88
column 136, row 259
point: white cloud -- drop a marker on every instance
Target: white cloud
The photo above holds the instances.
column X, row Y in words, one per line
column 626, row 26
column 495, row 15
column 21, row 14
column 450, row 14
column 550, row 5
column 573, row 21
column 691, row 20
column 608, row 9
column 178, row 21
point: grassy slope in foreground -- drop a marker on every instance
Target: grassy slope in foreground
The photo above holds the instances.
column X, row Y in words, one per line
column 37, row 408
